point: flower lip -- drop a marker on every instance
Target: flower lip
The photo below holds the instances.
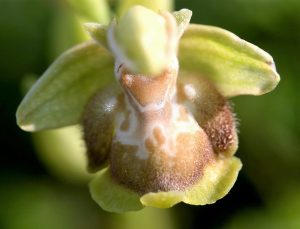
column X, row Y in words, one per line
column 164, row 142
column 216, row 183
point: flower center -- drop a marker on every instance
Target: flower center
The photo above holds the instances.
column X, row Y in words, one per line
column 158, row 145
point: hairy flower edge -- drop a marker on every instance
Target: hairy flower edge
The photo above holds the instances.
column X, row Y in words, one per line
column 217, row 180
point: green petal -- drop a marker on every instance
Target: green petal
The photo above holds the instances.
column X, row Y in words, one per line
column 218, row 179
column 111, row 196
column 155, row 5
column 98, row 32
column 183, row 18
column 235, row 66
column 59, row 96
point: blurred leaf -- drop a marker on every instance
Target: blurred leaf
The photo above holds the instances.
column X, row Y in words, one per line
column 133, row 220
column 280, row 212
column 92, row 10
column 235, row 66
column 65, row 31
column 22, row 25
column 37, row 203
column 59, row 96
column 63, row 153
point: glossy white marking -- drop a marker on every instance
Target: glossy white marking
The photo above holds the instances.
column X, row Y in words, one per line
column 110, row 105
column 189, row 91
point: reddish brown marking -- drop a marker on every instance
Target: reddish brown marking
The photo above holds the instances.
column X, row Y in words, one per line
column 222, row 131
column 158, row 135
column 183, row 116
column 145, row 89
column 149, row 144
column 127, row 80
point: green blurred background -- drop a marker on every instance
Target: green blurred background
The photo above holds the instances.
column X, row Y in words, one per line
column 39, row 189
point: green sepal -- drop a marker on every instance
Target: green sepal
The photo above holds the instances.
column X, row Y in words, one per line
column 155, row 5
column 217, row 180
column 98, row 32
column 58, row 98
column 235, row 66
column 140, row 40
column 111, row 196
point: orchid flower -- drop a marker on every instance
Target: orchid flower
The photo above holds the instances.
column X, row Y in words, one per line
column 151, row 94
